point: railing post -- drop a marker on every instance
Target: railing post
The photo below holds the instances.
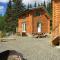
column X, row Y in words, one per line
column 59, row 29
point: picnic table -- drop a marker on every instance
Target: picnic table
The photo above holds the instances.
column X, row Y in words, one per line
column 40, row 35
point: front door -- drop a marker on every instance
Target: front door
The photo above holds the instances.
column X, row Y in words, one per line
column 39, row 27
column 23, row 27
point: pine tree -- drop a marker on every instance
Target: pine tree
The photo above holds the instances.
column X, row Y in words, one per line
column 12, row 15
column 39, row 5
column 35, row 5
column 49, row 8
column 19, row 7
column 8, row 17
column 30, row 6
column 44, row 4
column 2, row 22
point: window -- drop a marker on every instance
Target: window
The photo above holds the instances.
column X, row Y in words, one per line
column 37, row 13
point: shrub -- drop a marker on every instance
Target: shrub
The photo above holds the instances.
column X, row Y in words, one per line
column 2, row 34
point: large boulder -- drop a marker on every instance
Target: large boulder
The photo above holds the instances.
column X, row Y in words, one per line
column 11, row 55
column 56, row 41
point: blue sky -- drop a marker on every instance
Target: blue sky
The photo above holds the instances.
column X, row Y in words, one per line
column 3, row 4
column 3, row 7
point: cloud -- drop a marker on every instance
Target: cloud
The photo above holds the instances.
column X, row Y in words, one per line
column 29, row 1
column 1, row 7
column 5, row 1
column 32, row 1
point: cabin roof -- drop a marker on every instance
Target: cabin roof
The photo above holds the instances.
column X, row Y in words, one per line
column 30, row 9
column 36, row 8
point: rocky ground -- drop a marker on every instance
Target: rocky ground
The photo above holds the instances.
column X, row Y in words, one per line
column 32, row 48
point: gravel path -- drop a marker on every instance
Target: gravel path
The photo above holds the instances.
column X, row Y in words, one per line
column 32, row 48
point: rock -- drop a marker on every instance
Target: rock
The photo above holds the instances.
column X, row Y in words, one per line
column 56, row 41
column 11, row 55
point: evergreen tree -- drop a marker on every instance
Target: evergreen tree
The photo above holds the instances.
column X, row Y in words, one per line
column 2, row 22
column 35, row 5
column 19, row 7
column 38, row 5
column 49, row 8
column 44, row 4
column 30, row 6
column 12, row 15
column 8, row 16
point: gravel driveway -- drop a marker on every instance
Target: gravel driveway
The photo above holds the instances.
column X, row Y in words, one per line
column 32, row 48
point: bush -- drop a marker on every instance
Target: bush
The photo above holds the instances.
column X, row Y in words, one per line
column 2, row 34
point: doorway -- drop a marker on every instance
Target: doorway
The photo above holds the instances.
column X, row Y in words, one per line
column 39, row 27
column 23, row 27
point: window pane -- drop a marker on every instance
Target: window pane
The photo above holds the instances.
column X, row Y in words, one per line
column 37, row 14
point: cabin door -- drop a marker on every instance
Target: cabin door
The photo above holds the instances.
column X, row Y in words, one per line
column 23, row 27
column 39, row 27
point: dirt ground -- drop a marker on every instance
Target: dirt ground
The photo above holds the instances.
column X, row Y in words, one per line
column 32, row 48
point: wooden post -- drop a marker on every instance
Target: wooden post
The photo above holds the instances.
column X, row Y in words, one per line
column 59, row 29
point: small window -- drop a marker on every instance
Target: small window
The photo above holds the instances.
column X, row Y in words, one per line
column 36, row 14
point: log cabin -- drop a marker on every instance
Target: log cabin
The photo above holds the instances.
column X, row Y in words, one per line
column 34, row 20
column 56, row 18
column 56, row 22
